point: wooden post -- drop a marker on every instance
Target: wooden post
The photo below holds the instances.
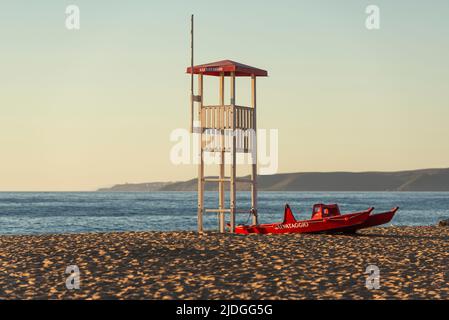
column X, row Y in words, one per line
column 192, row 100
column 233, row 155
column 254, row 160
column 221, row 186
column 201, row 156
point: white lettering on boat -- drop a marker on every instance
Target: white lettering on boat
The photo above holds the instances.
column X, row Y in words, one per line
column 291, row 225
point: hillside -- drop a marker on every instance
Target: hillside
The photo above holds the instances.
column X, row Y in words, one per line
column 414, row 180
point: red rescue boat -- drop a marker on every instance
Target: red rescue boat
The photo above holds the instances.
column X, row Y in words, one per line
column 373, row 220
column 325, row 218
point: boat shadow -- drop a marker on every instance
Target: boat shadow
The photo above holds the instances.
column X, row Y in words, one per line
column 399, row 236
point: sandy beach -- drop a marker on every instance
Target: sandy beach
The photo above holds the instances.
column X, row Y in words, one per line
column 412, row 261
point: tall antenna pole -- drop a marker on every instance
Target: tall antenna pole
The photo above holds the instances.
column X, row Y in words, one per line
column 192, row 100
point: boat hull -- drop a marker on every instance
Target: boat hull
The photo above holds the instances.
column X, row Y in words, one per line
column 309, row 226
column 373, row 220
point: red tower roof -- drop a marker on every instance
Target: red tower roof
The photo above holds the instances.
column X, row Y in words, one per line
column 227, row 66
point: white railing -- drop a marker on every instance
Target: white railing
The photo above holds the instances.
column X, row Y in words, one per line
column 220, row 123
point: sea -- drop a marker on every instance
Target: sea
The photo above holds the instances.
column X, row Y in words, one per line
column 74, row 212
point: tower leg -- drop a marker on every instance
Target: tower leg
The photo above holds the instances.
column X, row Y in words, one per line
column 254, row 153
column 233, row 189
column 232, row 176
column 201, row 158
column 221, row 195
column 254, row 194
column 221, row 186
column 200, row 193
column 233, row 155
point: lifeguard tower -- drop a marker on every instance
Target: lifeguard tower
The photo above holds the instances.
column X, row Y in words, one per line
column 225, row 128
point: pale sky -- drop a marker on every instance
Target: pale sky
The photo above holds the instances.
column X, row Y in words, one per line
column 95, row 107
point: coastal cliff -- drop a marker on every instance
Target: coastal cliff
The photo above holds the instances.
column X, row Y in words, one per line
column 414, row 180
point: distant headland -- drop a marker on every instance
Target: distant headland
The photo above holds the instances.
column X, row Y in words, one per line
column 413, row 180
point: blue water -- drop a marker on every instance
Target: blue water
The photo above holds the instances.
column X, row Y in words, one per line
column 34, row 213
